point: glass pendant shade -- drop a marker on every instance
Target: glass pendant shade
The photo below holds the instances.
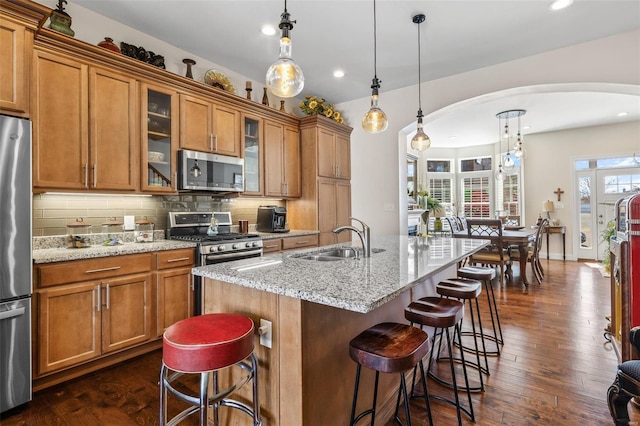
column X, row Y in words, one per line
column 375, row 120
column 284, row 76
column 509, row 163
column 500, row 173
column 420, row 142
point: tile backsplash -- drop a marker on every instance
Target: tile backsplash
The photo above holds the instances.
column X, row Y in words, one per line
column 52, row 212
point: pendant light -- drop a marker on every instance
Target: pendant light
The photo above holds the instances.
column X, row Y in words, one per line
column 375, row 120
column 284, row 76
column 519, row 152
column 420, row 141
column 500, row 173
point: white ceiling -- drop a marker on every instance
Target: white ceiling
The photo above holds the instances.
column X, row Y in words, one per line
column 458, row 36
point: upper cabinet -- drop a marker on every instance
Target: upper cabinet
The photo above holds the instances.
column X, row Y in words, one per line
column 18, row 21
column 159, row 139
column 282, row 160
column 334, row 154
column 85, row 131
column 253, row 153
column 208, row 127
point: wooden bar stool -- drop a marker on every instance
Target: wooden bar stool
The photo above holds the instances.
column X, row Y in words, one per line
column 204, row 345
column 469, row 290
column 486, row 275
column 442, row 314
column 389, row 348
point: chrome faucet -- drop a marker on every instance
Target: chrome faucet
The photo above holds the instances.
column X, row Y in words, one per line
column 364, row 234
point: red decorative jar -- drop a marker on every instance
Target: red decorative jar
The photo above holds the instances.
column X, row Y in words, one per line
column 108, row 43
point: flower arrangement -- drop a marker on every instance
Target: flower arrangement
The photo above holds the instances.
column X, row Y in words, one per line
column 312, row 105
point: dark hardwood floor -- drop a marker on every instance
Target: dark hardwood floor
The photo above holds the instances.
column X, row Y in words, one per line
column 554, row 369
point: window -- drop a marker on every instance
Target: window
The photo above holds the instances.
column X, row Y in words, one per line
column 440, row 189
column 508, row 194
column 412, row 176
column 440, row 182
column 476, row 200
column 475, row 164
column 621, row 184
column 439, row 166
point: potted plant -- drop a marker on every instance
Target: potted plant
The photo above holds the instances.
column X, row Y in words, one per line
column 606, row 235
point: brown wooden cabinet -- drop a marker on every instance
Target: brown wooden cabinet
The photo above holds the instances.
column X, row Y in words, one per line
column 209, row 127
column 282, row 160
column 159, row 139
column 18, row 21
column 325, row 202
column 86, row 309
column 334, row 154
column 273, row 245
column 253, row 154
column 174, row 286
column 85, row 133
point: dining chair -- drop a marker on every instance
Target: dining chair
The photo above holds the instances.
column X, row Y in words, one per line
column 512, row 221
column 495, row 253
column 453, row 223
column 533, row 252
column 462, row 222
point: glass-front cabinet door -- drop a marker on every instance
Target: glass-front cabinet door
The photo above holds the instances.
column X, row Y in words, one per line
column 159, row 139
column 252, row 149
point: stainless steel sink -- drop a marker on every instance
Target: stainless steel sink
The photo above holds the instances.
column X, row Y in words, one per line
column 334, row 254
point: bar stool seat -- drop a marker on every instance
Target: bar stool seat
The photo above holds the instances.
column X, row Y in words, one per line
column 206, row 344
column 389, row 348
column 442, row 314
column 465, row 289
column 486, row 275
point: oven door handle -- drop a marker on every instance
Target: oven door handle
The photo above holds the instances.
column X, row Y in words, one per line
column 237, row 254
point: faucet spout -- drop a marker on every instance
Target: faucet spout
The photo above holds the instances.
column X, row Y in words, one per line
column 364, row 234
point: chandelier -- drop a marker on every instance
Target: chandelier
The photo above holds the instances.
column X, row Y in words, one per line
column 505, row 134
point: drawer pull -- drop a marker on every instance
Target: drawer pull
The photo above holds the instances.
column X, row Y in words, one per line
column 302, row 242
column 271, row 246
column 93, row 271
column 180, row 259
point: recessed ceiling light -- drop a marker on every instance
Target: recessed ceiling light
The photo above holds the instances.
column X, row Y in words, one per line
column 622, row 114
column 560, row 4
column 452, row 137
column 526, row 127
column 338, row 73
column 268, row 30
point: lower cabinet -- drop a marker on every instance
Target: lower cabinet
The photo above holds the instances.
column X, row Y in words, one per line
column 289, row 243
column 92, row 313
column 175, row 287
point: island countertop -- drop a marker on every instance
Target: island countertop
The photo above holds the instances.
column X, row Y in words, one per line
column 359, row 285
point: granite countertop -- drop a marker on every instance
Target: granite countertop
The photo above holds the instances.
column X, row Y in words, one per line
column 359, row 285
column 53, row 249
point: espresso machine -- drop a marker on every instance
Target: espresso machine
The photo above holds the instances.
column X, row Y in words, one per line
column 272, row 219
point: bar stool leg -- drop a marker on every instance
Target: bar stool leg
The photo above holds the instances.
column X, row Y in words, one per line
column 372, row 410
column 204, row 398
column 256, row 403
column 493, row 310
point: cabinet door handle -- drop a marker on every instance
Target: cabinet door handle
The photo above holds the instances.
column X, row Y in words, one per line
column 337, row 169
column 98, row 292
column 210, row 142
column 108, row 296
column 94, row 168
column 85, row 172
column 93, row 271
column 175, row 181
column 180, row 259
column 215, row 138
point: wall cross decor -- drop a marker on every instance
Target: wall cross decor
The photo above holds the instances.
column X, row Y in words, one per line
column 558, row 192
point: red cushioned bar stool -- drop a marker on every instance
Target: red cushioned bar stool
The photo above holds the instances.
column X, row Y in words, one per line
column 389, row 348
column 204, row 345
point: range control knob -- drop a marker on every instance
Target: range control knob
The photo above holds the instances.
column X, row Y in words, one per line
column 235, row 246
column 221, row 248
column 255, row 244
column 247, row 245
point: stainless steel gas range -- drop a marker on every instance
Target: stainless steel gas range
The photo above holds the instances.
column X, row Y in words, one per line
column 223, row 246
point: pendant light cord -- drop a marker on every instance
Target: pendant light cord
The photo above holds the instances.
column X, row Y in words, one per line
column 375, row 43
column 419, row 74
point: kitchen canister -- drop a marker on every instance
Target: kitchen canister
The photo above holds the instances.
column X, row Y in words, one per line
column 144, row 231
column 78, row 234
column 112, row 232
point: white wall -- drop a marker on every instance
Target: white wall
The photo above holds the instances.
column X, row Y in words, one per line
column 376, row 158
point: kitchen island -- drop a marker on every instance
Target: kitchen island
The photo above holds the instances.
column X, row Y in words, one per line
column 316, row 308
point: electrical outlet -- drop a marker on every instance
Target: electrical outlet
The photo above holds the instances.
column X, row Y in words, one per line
column 559, row 205
column 388, row 207
column 265, row 332
column 129, row 223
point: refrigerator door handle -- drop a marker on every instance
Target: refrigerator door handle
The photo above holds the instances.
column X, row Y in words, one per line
column 12, row 313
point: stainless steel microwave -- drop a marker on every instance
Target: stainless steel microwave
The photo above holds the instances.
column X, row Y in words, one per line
column 201, row 171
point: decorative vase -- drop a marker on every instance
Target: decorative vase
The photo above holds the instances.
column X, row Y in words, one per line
column 282, row 106
column 265, row 98
column 61, row 22
column 188, row 62
column 108, row 44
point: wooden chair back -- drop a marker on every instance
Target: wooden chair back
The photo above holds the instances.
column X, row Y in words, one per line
column 537, row 244
column 486, row 229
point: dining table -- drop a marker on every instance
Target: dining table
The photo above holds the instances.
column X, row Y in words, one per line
column 512, row 237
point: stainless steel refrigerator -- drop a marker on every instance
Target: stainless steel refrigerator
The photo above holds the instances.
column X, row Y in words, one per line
column 15, row 262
